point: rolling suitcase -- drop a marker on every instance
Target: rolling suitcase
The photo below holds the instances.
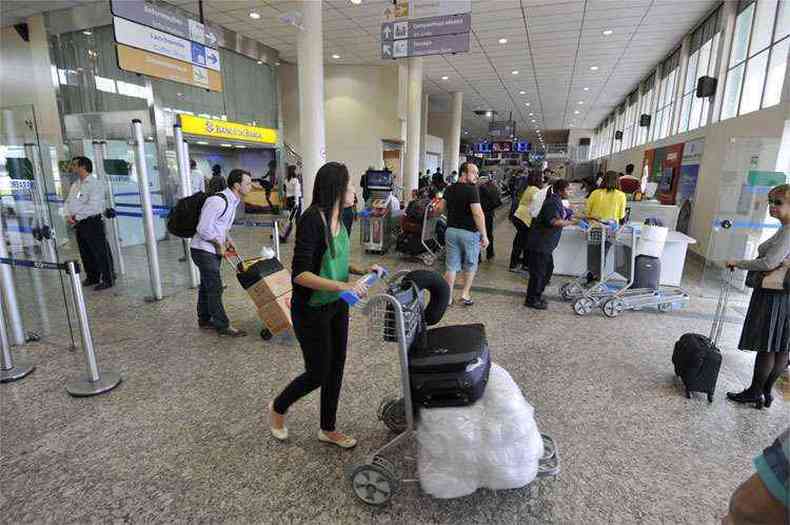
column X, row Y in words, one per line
column 647, row 272
column 449, row 367
column 696, row 357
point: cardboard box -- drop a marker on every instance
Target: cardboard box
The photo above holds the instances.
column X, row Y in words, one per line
column 270, row 288
column 276, row 315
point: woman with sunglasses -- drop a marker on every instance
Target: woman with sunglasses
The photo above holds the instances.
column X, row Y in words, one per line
column 321, row 269
column 766, row 328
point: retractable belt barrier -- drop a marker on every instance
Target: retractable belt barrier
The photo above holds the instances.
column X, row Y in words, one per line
column 88, row 385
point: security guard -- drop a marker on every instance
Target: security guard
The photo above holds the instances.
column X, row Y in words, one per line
column 83, row 209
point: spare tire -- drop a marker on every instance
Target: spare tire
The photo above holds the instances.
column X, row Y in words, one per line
column 437, row 287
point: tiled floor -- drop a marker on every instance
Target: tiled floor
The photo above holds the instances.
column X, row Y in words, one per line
column 184, row 439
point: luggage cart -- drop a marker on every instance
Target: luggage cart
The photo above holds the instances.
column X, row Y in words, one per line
column 617, row 297
column 586, row 284
column 376, row 481
column 428, row 238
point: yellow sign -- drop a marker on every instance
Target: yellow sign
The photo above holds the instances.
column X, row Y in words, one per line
column 222, row 129
column 160, row 66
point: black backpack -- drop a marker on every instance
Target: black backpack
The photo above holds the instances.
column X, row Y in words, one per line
column 184, row 218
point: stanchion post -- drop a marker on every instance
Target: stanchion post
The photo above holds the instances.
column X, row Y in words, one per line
column 276, row 238
column 8, row 371
column 92, row 383
column 42, row 212
column 182, row 157
column 148, row 211
column 100, row 153
column 8, row 292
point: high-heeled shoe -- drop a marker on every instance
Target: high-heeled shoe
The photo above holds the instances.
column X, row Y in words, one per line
column 747, row 397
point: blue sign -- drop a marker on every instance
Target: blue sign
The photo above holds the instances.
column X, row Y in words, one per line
column 198, row 54
column 522, row 146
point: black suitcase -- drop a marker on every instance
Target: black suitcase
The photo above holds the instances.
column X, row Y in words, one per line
column 696, row 357
column 647, row 272
column 449, row 367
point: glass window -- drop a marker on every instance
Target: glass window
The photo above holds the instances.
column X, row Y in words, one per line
column 776, row 74
column 732, row 92
column 783, row 21
column 753, row 85
column 685, row 112
column 740, row 41
column 763, row 26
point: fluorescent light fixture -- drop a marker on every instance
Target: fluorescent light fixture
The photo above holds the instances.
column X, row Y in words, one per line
column 503, row 40
column 488, row 113
column 593, row 68
column 225, row 145
column 514, row 72
column 608, row 32
column 445, row 77
column 260, row 62
column 87, row 32
column 356, row 2
column 255, row 15
column 202, row 143
column 240, row 146
column 336, row 56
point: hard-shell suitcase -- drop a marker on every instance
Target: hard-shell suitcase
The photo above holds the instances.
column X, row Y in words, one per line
column 449, row 367
column 696, row 357
column 647, row 272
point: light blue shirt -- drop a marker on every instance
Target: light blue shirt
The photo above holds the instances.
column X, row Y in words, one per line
column 213, row 224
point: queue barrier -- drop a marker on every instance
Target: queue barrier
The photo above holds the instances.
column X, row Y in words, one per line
column 89, row 384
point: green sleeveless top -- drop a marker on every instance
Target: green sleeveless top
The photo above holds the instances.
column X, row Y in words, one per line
column 334, row 268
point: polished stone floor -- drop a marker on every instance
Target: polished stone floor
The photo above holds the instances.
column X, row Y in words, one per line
column 184, row 438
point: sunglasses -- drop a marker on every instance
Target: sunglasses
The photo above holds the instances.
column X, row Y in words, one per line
column 775, row 202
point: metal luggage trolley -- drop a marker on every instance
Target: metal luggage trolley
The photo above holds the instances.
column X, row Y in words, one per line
column 376, row 481
column 584, row 285
column 428, row 238
column 617, row 297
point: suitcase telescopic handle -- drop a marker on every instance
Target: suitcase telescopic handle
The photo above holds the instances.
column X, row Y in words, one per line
column 721, row 307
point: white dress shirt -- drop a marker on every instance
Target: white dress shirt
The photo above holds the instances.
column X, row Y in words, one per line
column 293, row 188
column 198, row 181
column 86, row 199
column 213, row 225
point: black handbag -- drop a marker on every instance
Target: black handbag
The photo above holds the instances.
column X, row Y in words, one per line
column 769, row 280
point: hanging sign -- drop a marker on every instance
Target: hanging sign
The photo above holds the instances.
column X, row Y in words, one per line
column 158, row 66
column 160, row 16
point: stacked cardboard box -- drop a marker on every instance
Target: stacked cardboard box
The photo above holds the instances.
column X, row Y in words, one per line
column 269, row 286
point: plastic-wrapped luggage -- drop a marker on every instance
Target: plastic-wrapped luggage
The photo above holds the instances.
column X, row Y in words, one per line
column 494, row 443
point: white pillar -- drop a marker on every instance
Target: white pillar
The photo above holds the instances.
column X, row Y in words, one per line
column 424, row 133
column 456, row 114
column 413, row 128
column 310, row 66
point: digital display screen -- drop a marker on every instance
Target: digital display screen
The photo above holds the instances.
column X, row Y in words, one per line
column 483, row 147
column 503, row 147
column 522, row 146
column 379, row 178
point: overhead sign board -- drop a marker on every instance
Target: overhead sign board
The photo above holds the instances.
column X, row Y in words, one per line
column 158, row 66
column 169, row 20
column 156, row 41
column 418, row 47
column 426, row 27
column 404, row 9
column 223, row 129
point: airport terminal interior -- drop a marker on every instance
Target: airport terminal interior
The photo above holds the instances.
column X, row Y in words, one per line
column 580, row 405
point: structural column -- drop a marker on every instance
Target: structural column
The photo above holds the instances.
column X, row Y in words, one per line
column 456, row 114
column 424, row 133
column 413, row 130
column 310, row 66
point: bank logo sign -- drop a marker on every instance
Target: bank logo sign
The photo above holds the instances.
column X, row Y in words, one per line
column 223, row 129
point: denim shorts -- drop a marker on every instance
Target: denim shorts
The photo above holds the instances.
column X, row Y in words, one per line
column 463, row 249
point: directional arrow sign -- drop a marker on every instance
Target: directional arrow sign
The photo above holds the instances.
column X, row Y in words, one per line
column 426, row 27
column 386, row 50
column 417, row 47
column 386, row 31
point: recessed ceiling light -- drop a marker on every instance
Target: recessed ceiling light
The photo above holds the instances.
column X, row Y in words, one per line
column 515, row 72
column 255, row 15
column 87, row 32
column 260, row 62
column 607, row 32
column 336, row 56
column 179, row 94
column 533, row 120
column 503, row 40
column 581, row 102
column 531, row 114
column 445, row 77
column 356, row 2
column 593, row 68
column 522, row 92
column 587, row 89
column 526, row 103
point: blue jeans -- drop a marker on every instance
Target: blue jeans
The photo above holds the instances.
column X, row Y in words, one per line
column 209, row 305
column 463, row 249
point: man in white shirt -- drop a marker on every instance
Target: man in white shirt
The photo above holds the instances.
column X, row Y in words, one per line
column 197, row 179
column 83, row 210
column 208, row 248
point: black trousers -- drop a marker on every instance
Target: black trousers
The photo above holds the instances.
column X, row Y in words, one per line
column 323, row 336
column 94, row 249
column 518, row 254
column 490, row 230
column 541, row 268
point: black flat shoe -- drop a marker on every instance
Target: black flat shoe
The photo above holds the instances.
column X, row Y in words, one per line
column 768, row 398
column 747, row 397
column 89, row 282
column 102, row 286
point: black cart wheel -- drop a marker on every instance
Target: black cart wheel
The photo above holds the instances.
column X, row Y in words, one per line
column 265, row 334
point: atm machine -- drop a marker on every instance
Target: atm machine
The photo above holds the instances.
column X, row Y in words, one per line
column 376, row 218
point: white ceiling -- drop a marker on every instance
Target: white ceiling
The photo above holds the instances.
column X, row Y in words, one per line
column 551, row 43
